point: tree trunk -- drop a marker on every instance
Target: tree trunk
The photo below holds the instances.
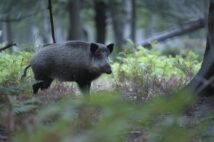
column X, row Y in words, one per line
column 8, row 31
column 133, row 21
column 28, row 38
column 149, row 25
column 7, row 34
column 1, row 31
column 117, row 9
column 202, row 83
column 75, row 30
column 100, row 20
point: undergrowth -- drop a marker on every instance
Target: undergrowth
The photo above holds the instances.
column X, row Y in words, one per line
column 11, row 67
column 142, row 73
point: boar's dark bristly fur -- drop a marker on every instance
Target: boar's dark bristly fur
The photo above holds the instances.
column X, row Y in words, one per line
column 77, row 61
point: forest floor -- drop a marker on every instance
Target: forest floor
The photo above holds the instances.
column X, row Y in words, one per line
column 12, row 120
column 14, row 117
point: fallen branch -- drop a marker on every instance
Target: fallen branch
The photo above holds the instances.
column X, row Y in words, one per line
column 183, row 29
column 7, row 46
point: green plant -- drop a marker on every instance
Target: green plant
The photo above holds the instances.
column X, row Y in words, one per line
column 145, row 73
column 134, row 63
column 11, row 66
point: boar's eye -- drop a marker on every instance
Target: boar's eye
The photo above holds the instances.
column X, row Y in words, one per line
column 93, row 47
column 110, row 47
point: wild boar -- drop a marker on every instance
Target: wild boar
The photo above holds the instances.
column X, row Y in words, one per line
column 77, row 61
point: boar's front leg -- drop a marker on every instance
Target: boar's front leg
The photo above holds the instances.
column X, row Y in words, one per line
column 84, row 87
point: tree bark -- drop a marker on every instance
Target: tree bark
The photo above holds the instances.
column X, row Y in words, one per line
column 100, row 21
column 202, row 83
column 75, row 30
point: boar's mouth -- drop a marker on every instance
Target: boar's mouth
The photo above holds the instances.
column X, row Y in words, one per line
column 108, row 70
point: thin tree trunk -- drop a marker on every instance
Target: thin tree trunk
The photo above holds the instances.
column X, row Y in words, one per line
column 133, row 21
column 51, row 20
column 100, row 20
column 75, row 30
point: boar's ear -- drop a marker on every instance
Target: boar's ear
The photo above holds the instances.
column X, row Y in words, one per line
column 93, row 47
column 110, row 47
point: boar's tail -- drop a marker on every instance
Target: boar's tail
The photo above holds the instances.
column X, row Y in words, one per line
column 25, row 72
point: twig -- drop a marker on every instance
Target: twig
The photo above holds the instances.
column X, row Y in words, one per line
column 7, row 46
column 51, row 20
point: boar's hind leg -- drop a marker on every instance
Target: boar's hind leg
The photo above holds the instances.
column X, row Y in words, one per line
column 84, row 87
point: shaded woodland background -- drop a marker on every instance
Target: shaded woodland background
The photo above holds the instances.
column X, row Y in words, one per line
column 27, row 21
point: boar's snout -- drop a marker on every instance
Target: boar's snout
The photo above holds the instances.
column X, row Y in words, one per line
column 107, row 69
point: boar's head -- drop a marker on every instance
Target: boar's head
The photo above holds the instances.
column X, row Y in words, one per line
column 99, row 57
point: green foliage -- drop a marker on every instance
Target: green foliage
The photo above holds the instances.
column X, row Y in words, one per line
column 107, row 117
column 151, row 61
column 11, row 69
column 142, row 74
